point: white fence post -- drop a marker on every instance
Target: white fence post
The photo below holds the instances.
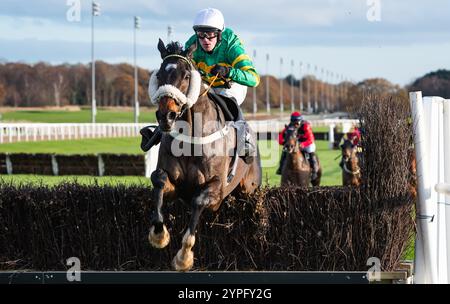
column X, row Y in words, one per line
column 424, row 257
column 446, row 184
column 9, row 166
column 101, row 165
column 55, row 168
column 431, row 116
column 331, row 136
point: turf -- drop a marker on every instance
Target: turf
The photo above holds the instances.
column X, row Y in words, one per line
column 270, row 152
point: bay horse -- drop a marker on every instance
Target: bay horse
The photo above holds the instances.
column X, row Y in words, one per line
column 351, row 172
column 296, row 170
column 194, row 165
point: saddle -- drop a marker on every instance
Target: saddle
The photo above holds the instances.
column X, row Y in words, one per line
column 232, row 112
column 229, row 106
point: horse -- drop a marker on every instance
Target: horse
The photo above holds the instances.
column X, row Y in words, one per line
column 296, row 169
column 351, row 172
column 412, row 168
column 193, row 166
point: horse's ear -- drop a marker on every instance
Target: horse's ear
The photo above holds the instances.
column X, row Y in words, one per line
column 162, row 48
column 190, row 50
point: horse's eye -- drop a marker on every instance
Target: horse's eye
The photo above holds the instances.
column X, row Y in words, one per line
column 187, row 76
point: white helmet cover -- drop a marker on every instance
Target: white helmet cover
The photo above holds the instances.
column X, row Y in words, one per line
column 209, row 17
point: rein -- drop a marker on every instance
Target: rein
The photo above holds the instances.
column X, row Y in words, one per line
column 180, row 57
column 170, row 90
column 350, row 171
column 210, row 85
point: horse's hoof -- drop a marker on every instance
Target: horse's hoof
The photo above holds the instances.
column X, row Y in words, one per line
column 183, row 261
column 159, row 240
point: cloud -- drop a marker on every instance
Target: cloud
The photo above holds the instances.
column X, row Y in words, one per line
column 38, row 30
column 283, row 18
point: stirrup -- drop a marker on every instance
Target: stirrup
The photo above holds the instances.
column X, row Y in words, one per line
column 248, row 153
column 278, row 172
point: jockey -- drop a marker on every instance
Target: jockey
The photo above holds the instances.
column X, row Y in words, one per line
column 354, row 136
column 306, row 139
column 222, row 54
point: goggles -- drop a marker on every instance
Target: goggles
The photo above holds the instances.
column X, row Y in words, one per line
column 207, row 35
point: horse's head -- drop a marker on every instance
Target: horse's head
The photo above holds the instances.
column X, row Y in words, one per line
column 176, row 85
column 348, row 150
column 291, row 142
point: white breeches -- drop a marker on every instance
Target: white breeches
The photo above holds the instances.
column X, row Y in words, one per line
column 311, row 148
column 238, row 91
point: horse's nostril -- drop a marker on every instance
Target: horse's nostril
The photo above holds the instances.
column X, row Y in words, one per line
column 172, row 115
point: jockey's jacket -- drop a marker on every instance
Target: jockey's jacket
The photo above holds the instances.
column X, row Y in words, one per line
column 354, row 136
column 228, row 52
column 305, row 135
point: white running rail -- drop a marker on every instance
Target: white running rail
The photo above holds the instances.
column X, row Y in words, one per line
column 17, row 132
column 431, row 117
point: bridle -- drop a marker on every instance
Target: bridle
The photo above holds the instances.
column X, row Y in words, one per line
column 291, row 134
column 185, row 101
column 157, row 92
column 185, row 59
column 347, row 159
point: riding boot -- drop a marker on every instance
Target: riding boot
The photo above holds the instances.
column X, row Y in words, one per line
column 282, row 159
column 246, row 138
column 150, row 138
column 341, row 163
column 314, row 165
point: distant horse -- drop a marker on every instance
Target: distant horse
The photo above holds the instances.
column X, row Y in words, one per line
column 296, row 169
column 194, row 165
column 412, row 172
column 351, row 172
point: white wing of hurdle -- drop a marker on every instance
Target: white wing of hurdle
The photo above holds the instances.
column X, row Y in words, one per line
column 431, row 117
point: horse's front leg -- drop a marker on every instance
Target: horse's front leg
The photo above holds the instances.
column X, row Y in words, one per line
column 159, row 237
column 209, row 196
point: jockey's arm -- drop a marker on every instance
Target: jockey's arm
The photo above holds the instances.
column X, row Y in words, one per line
column 309, row 137
column 281, row 137
column 242, row 70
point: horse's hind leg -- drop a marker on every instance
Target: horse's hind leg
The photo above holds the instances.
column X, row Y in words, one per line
column 209, row 196
column 159, row 237
column 316, row 182
column 253, row 178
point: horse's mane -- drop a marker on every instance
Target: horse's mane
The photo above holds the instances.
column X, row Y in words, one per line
column 174, row 48
column 347, row 144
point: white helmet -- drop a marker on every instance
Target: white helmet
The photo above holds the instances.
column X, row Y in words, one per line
column 209, row 18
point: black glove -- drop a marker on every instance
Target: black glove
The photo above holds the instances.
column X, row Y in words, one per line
column 150, row 138
column 223, row 71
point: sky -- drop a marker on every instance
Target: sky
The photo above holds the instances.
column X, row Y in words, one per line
column 399, row 40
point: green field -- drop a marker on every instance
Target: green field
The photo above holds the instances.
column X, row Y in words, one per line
column 124, row 145
column 270, row 151
column 147, row 115
column 81, row 116
column 104, row 115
